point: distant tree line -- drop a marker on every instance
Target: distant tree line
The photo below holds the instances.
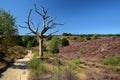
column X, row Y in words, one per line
column 82, row 35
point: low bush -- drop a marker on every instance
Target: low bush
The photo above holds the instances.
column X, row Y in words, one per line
column 53, row 46
column 82, row 39
column 29, row 41
column 37, row 66
column 85, row 38
column 113, row 61
column 64, row 42
column 95, row 36
column 75, row 38
column 76, row 61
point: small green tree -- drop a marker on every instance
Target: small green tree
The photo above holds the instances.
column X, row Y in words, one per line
column 53, row 47
column 8, row 31
column 7, row 28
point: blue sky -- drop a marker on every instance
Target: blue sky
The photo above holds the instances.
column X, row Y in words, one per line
column 78, row 16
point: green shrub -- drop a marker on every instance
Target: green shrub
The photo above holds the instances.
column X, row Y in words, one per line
column 44, row 47
column 81, row 51
column 82, row 39
column 75, row 38
column 64, row 42
column 95, row 36
column 113, row 61
column 114, row 37
column 29, row 45
column 76, row 61
column 38, row 69
column 67, row 34
column 37, row 66
column 29, row 41
column 53, row 47
column 87, row 38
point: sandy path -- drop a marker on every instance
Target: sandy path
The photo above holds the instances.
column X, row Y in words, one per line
column 18, row 71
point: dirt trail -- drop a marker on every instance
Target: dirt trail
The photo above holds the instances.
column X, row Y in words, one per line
column 18, row 70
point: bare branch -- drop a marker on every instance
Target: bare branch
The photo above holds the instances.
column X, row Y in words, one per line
column 37, row 10
column 48, row 22
column 33, row 25
column 44, row 30
column 53, row 25
column 51, row 21
column 53, row 33
column 59, row 24
column 29, row 33
column 37, row 27
column 47, row 17
column 28, row 22
column 22, row 26
column 44, row 11
column 49, row 27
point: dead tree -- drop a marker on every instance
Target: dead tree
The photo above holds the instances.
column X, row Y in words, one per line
column 48, row 23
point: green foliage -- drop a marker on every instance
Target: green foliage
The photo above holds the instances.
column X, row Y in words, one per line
column 67, row 34
column 114, row 37
column 18, row 40
column 76, row 61
column 82, row 39
column 7, row 28
column 85, row 38
column 37, row 66
column 95, row 36
column 44, row 47
column 29, row 41
column 113, row 61
column 8, row 31
column 64, row 42
column 29, row 44
column 74, row 38
column 53, row 47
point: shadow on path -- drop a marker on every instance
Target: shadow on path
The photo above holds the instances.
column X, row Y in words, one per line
column 20, row 65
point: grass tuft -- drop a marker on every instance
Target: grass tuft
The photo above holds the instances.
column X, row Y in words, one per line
column 112, row 61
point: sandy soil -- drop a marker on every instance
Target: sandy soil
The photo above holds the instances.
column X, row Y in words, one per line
column 18, row 70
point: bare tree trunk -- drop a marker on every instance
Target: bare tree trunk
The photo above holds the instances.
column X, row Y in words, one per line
column 40, row 47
